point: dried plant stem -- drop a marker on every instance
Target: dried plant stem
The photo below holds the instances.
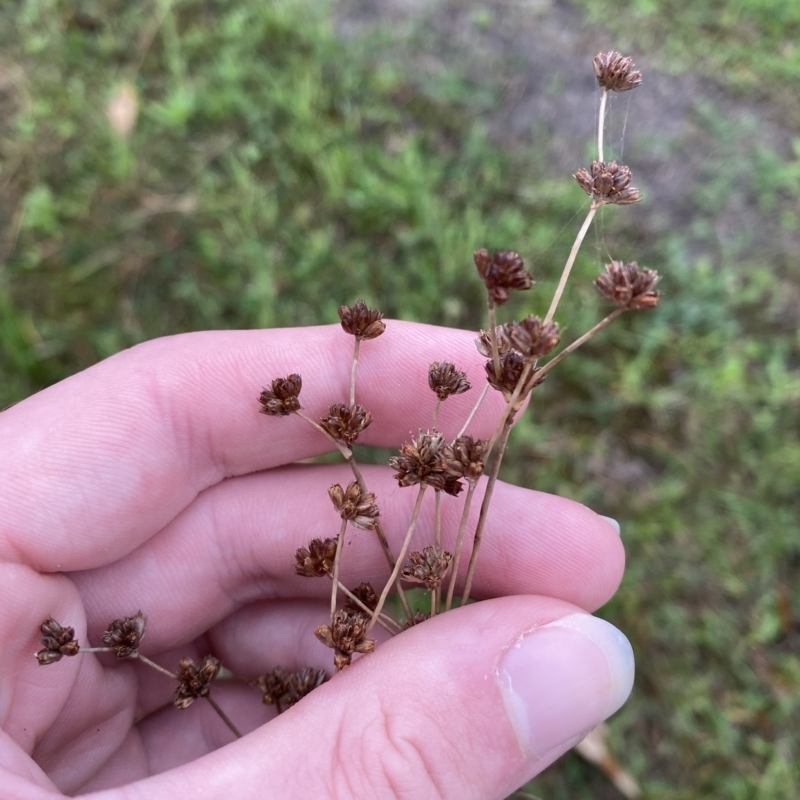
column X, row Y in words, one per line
column 476, row 542
column 335, row 575
column 493, row 334
column 601, row 124
column 474, row 410
column 156, row 667
column 381, row 538
column 403, row 550
column 224, row 717
column 462, row 527
column 573, row 254
column 617, row 312
column 437, row 541
column 353, row 372
column 385, row 622
column 97, row 650
column 436, row 414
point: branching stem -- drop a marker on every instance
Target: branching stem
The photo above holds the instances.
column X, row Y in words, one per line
column 474, row 410
column 384, row 621
column 476, row 543
column 394, row 578
column 462, row 527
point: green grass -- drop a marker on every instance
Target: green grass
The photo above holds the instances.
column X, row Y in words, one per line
column 276, row 171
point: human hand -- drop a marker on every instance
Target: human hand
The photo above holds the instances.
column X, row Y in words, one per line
column 152, row 483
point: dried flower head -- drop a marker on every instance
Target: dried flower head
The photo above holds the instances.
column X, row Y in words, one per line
column 484, row 342
column 283, row 689
column 615, row 72
column 629, row 285
column 345, row 423
column 502, row 271
column 282, row 399
column 124, row 635
column 346, row 636
column 421, row 461
column 195, row 681
column 362, row 322
column 607, row 182
column 317, row 560
column 465, row 457
column 428, row 567
column 445, row 379
column 355, row 506
column 511, row 366
column 366, row 594
column 58, row 641
column 417, row 619
column 532, row 337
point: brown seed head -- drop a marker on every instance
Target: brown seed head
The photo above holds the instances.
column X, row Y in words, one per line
column 362, row 322
column 284, row 689
column 346, row 636
column 421, row 461
column 58, row 641
column 345, row 423
column 615, row 72
column 532, row 337
column 355, row 506
column 484, row 343
column 629, row 285
column 608, row 182
column 465, row 457
column 366, row 594
column 511, row 366
column 317, row 560
column 445, row 379
column 124, row 635
column 502, row 271
column 282, row 399
column 195, row 681
column 428, row 567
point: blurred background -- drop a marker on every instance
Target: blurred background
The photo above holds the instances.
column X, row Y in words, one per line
column 197, row 164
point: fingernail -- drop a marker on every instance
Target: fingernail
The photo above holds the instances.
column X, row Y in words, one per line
column 612, row 522
column 561, row 679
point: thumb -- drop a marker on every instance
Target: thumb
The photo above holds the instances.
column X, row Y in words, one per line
column 469, row 705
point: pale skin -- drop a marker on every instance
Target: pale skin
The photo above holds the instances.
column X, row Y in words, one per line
column 151, row 482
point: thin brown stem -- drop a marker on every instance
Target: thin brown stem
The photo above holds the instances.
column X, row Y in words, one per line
column 601, row 124
column 462, row 527
column 437, row 541
column 336, row 560
column 573, row 254
column 384, row 542
column 493, row 335
column 224, row 717
column 582, row 340
column 474, row 410
column 353, row 372
column 384, row 621
column 436, row 414
column 476, row 542
column 156, row 667
column 403, row 550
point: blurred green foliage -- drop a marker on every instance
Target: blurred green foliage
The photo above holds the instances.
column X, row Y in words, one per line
column 276, row 171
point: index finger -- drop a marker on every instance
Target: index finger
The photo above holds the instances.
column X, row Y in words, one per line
column 95, row 465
